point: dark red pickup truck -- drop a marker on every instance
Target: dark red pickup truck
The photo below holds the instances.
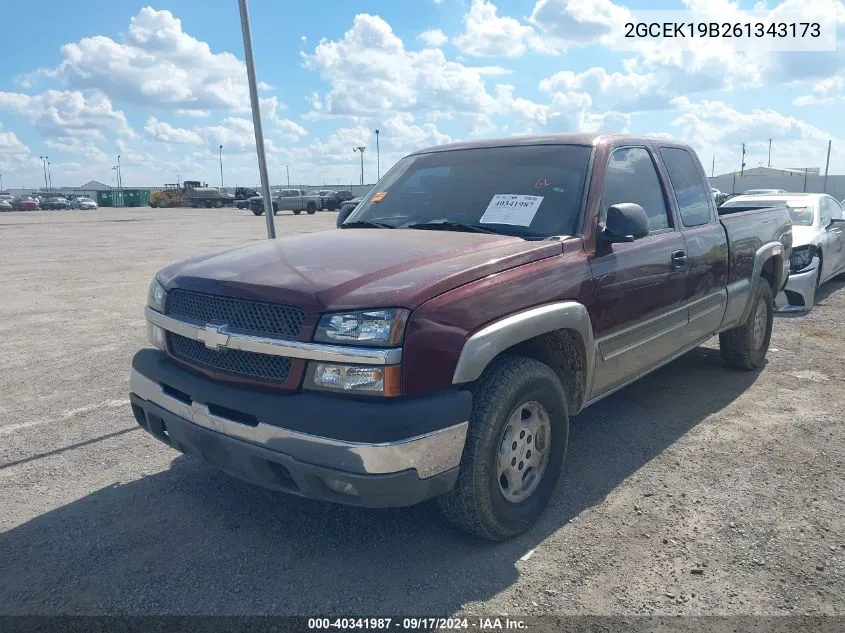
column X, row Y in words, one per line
column 438, row 342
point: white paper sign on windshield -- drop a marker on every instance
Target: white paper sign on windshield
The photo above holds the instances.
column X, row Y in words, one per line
column 513, row 209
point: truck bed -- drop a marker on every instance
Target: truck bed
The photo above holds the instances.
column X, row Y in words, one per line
column 748, row 228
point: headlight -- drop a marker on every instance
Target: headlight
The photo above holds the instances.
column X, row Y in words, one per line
column 156, row 296
column 801, row 257
column 364, row 379
column 377, row 328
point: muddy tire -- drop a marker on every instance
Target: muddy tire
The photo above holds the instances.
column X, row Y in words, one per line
column 519, row 406
column 745, row 347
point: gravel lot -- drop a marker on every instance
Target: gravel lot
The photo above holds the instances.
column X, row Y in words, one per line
column 698, row 490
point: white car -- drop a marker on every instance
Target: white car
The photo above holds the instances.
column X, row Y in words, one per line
column 818, row 241
column 84, row 203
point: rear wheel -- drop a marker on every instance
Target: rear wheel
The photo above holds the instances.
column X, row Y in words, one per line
column 311, row 208
column 515, row 447
column 745, row 347
column 258, row 211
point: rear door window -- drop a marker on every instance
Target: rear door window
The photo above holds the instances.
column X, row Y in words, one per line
column 691, row 194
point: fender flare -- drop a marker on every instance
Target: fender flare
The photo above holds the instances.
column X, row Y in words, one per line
column 493, row 339
column 764, row 254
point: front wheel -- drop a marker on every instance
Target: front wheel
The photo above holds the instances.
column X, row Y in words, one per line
column 258, row 211
column 515, row 447
column 311, row 208
column 745, row 347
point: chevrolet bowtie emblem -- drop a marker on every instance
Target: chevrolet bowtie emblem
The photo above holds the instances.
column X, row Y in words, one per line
column 214, row 336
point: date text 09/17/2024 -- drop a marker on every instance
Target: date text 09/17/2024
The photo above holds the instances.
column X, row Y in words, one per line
column 417, row 624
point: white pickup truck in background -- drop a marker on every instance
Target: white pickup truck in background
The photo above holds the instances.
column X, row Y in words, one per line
column 296, row 200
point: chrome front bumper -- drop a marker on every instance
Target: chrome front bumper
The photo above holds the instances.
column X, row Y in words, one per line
column 428, row 455
column 800, row 290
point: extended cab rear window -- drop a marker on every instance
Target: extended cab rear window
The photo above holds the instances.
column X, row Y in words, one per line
column 527, row 191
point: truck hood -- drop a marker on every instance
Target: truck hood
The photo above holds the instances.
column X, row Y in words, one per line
column 354, row 268
column 803, row 235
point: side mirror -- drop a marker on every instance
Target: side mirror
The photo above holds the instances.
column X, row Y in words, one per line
column 834, row 221
column 344, row 213
column 624, row 222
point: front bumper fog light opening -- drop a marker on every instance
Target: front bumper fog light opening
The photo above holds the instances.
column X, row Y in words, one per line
column 156, row 336
column 340, row 487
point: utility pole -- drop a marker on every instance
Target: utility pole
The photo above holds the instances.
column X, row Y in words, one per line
column 1, row 182
column 119, row 182
column 806, row 169
column 713, row 169
column 221, row 166
column 256, row 120
column 378, row 160
column 770, row 152
column 44, row 165
column 361, row 149
column 742, row 167
column 287, row 171
column 826, row 167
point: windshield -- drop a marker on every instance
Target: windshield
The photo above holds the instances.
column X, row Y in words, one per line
column 529, row 191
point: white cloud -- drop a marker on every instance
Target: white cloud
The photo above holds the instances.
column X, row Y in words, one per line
column 486, row 34
column 193, row 113
column 156, row 63
column 9, row 144
column 434, row 37
column 163, row 131
column 715, row 128
column 290, row 130
column 565, row 23
column 370, row 71
column 73, row 145
column 66, row 113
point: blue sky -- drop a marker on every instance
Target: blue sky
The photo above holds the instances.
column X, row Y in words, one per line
column 163, row 85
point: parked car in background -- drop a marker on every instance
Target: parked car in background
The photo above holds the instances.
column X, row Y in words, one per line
column 344, row 195
column 25, row 203
column 437, row 344
column 716, row 193
column 55, row 203
column 6, row 205
column 349, row 206
column 6, row 196
column 84, row 203
column 762, row 192
column 296, row 200
column 329, row 199
column 243, row 195
column 818, row 242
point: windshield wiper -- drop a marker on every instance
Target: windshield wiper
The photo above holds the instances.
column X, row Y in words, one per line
column 366, row 224
column 452, row 226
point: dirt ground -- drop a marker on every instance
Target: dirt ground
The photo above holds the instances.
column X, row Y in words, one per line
column 697, row 491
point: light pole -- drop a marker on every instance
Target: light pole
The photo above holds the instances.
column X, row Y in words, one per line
column 378, row 160
column 49, row 177
column 221, row 166
column 361, row 149
column 119, row 181
column 1, row 182
column 256, row 119
column 44, row 165
column 287, row 172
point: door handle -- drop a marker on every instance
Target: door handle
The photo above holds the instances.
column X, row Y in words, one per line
column 679, row 259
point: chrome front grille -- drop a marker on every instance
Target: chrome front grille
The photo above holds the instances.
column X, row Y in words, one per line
column 233, row 361
column 256, row 318
column 253, row 317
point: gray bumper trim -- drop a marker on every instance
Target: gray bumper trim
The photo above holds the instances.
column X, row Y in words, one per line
column 428, row 454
